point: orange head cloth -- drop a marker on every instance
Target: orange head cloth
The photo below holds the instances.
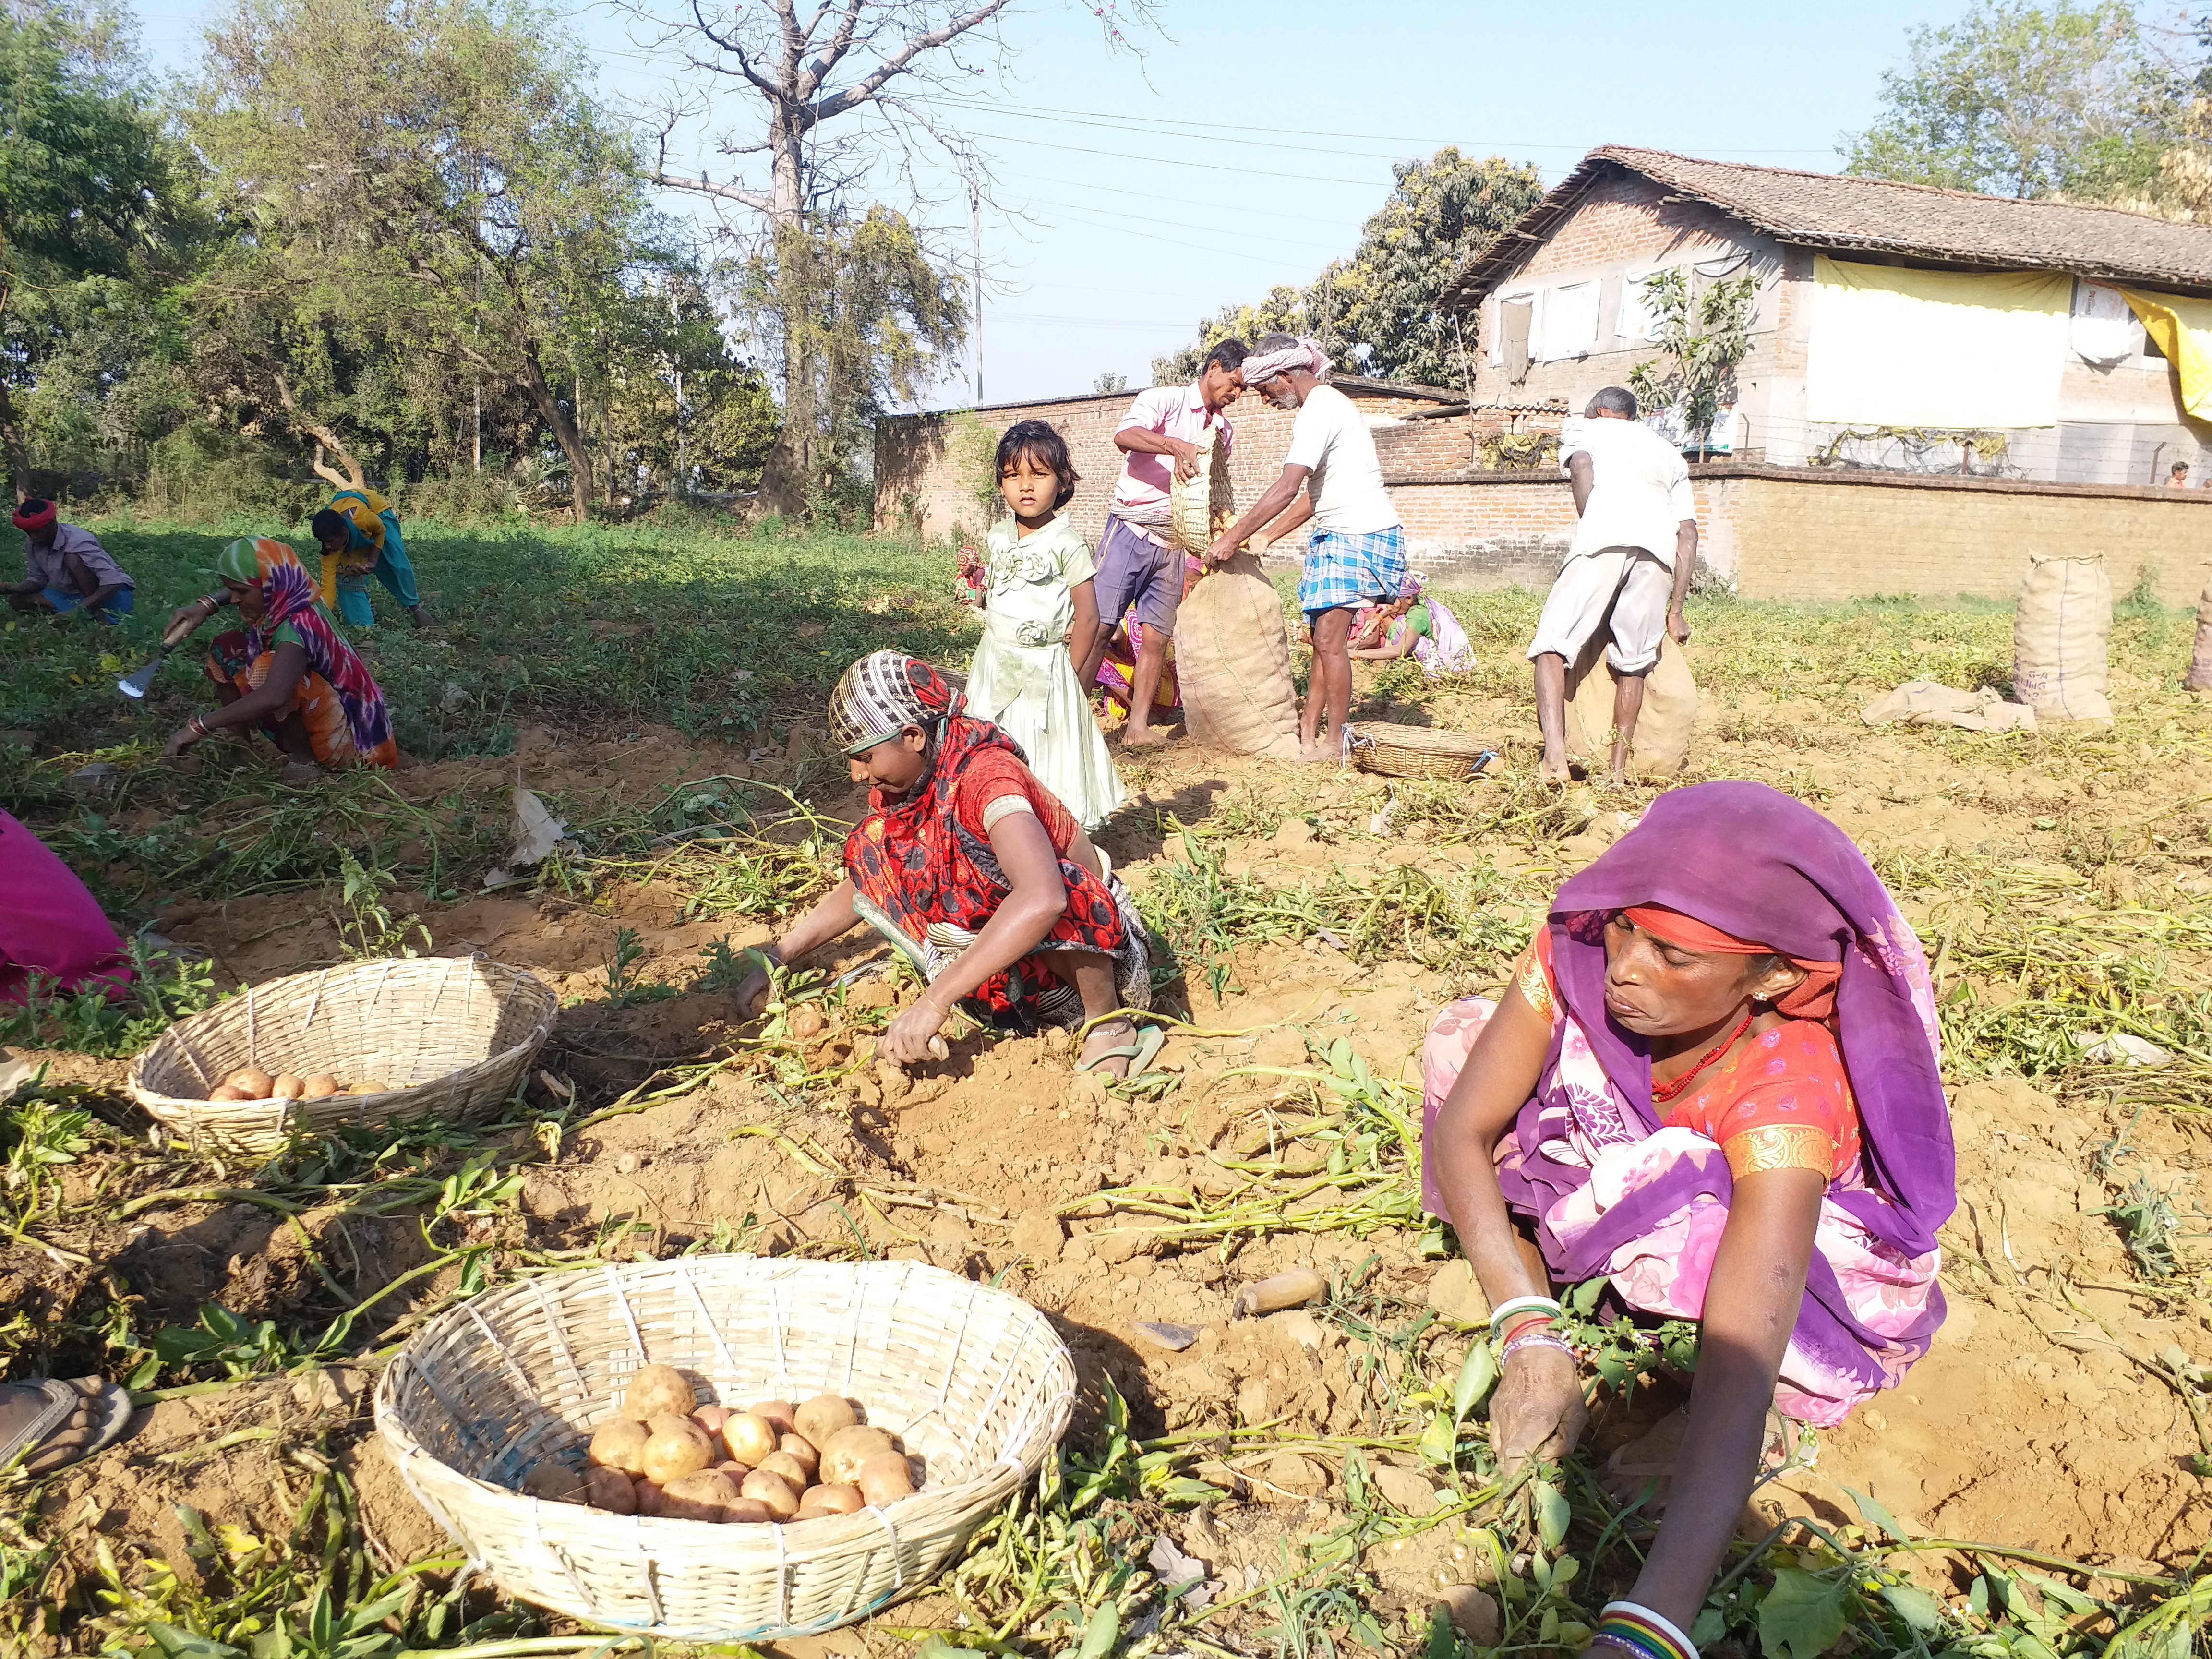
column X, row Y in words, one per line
column 1813, row 997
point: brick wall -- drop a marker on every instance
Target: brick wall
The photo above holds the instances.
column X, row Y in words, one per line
column 917, row 456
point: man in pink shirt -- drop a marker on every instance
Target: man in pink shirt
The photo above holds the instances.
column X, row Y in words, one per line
column 1136, row 567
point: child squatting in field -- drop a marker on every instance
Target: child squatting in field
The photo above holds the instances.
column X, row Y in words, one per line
column 1713, row 1081
column 974, row 871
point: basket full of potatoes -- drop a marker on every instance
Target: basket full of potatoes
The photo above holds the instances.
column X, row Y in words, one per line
column 773, row 1460
column 723, row 1448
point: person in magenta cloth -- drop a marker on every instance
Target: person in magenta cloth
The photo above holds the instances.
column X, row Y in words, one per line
column 1712, row 1081
column 50, row 928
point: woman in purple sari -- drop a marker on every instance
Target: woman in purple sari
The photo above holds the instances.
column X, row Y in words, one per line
column 1713, row 1081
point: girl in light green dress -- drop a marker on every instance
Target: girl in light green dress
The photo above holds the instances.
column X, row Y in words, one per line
column 1039, row 619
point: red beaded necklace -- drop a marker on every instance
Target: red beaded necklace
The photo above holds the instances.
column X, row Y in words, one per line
column 1663, row 1092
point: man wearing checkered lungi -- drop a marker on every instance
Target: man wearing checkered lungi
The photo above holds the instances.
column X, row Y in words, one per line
column 1358, row 552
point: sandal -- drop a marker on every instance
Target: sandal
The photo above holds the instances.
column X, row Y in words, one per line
column 46, row 1425
column 1140, row 1052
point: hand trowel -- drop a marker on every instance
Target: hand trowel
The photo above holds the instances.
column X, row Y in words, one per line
column 135, row 686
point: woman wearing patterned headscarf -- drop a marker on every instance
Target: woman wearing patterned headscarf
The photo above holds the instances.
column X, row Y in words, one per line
column 974, row 871
column 287, row 671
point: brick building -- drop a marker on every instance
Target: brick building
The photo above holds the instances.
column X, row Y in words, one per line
column 1938, row 384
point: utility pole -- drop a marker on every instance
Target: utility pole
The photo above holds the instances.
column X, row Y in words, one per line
column 976, row 322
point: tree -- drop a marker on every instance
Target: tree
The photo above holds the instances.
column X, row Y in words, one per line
column 84, row 180
column 2015, row 100
column 419, row 187
column 1705, row 335
column 1110, row 381
column 803, row 149
column 1377, row 310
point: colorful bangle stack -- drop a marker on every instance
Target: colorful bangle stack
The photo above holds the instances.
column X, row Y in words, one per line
column 1639, row 1630
column 197, row 726
column 1512, row 1306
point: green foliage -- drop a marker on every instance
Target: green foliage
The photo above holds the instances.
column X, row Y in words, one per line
column 2018, row 99
column 163, row 989
column 371, row 932
column 1704, row 336
column 1441, row 212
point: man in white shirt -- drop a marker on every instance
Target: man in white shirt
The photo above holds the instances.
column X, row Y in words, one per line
column 1136, row 569
column 1628, row 569
column 1357, row 552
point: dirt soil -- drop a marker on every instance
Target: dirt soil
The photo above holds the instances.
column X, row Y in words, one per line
column 2032, row 1422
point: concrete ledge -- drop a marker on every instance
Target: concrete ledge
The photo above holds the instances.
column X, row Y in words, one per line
column 1857, row 477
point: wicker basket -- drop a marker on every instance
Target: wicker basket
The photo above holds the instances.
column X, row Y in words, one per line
column 1200, row 508
column 454, row 1033
column 1414, row 751
column 972, row 1379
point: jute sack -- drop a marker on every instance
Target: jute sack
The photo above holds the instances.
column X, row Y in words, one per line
column 1195, row 506
column 2060, row 630
column 1233, row 664
column 1663, row 726
column 2200, row 661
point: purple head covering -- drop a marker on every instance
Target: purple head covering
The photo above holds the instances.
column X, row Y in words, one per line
column 1753, row 862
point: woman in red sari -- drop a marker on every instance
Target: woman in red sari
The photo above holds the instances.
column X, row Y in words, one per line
column 974, row 871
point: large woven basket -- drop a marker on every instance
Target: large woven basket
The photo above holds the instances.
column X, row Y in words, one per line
column 453, row 1034
column 973, row 1381
column 1414, row 751
column 1198, row 509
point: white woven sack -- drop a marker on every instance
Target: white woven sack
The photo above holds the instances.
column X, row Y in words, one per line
column 1233, row 664
column 2200, row 660
column 1663, row 725
column 2061, row 630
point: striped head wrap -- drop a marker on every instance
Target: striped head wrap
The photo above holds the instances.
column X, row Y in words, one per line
column 884, row 693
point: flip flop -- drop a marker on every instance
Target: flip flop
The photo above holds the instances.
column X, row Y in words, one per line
column 1139, row 1054
column 33, row 1413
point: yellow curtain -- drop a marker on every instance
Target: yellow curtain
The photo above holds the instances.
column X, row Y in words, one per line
column 1902, row 348
column 2182, row 329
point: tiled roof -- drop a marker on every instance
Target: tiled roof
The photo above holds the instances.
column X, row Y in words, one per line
column 1834, row 211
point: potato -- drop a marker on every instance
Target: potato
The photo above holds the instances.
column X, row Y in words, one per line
column 701, row 1496
column 649, row 1497
column 735, row 1470
column 611, row 1490
column 795, row 1473
column 799, row 1446
column 824, row 1415
column 848, row 1449
column 806, row 1024
column 750, row 1438
column 230, row 1091
column 656, row 1391
column 550, row 1479
column 369, row 1088
column 782, row 1412
column 711, row 1418
column 251, row 1078
column 619, row 1444
column 831, row 1500
column 772, row 1490
column 289, row 1085
column 886, row 1477
column 749, row 1509
column 318, row 1086
column 678, row 1446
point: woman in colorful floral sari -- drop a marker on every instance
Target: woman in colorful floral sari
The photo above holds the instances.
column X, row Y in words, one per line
column 1713, row 1081
column 1416, row 625
column 287, row 672
column 974, row 871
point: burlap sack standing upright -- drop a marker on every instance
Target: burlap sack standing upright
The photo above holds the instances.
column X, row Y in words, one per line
column 1664, row 726
column 2199, row 678
column 1232, row 651
column 2060, row 629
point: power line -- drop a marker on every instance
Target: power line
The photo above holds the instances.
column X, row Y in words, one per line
column 1173, row 161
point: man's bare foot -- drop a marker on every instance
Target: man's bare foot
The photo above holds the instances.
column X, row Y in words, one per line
column 1098, row 1050
column 1553, row 771
column 51, row 1424
column 1322, row 752
column 1134, row 736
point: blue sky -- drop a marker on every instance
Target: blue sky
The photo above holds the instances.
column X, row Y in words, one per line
column 1249, row 142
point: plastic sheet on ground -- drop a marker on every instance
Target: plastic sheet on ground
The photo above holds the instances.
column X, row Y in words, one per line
column 1928, row 702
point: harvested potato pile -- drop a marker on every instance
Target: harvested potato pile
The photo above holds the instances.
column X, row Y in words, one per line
column 251, row 1083
column 663, row 1454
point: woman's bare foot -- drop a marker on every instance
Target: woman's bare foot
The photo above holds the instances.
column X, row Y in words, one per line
column 1144, row 737
column 1322, row 753
column 1553, row 771
column 53, row 1424
column 1101, row 1042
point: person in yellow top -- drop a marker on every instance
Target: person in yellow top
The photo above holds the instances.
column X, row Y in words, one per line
column 360, row 535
